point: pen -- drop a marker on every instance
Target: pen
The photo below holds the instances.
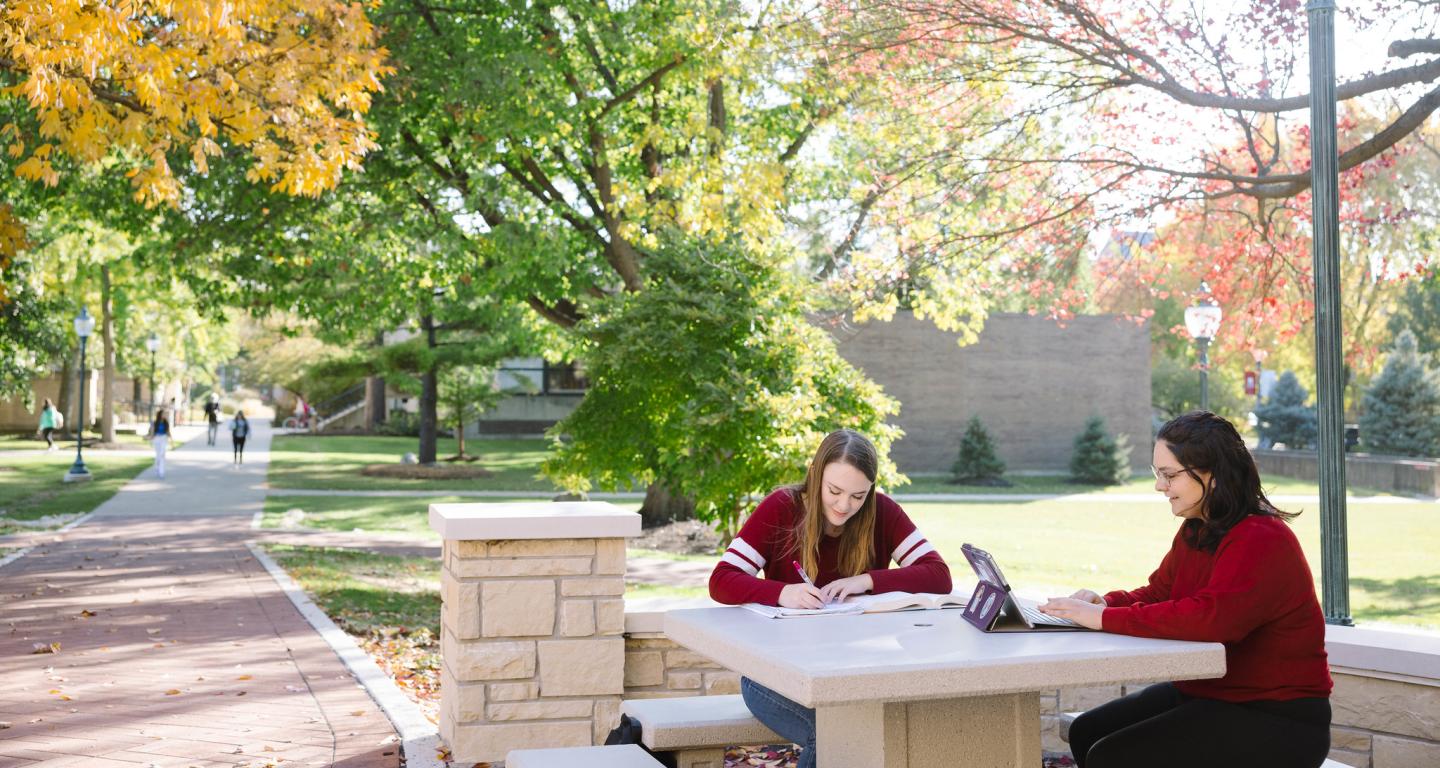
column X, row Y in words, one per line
column 803, row 575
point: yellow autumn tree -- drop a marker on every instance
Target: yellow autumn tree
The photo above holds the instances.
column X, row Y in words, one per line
column 286, row 81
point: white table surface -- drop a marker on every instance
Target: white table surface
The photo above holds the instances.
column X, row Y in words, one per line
column 821, row 661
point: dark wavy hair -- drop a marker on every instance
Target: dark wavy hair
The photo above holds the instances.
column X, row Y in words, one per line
column 1200, row 441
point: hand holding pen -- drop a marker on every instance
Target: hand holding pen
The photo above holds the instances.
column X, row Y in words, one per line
column 802, row 595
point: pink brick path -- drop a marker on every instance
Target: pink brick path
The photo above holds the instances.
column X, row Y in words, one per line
column 192, row 657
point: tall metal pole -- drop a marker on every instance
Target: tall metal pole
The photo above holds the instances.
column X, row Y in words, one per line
column 1204, row 343
column 78, row 468
column 1325, row 248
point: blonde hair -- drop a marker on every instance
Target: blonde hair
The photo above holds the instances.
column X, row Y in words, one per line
column 857, row 536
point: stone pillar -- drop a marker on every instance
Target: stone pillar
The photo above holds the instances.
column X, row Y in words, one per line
column 532, row 645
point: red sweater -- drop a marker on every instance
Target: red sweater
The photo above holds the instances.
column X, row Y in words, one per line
column 1255, row 594
column 761, row 545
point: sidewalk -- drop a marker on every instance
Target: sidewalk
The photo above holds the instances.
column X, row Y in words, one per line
column 174, row 647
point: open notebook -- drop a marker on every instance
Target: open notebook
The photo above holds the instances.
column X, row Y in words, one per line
column 884, row 602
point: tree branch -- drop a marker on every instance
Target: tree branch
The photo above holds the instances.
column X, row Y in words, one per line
column 1402, row 49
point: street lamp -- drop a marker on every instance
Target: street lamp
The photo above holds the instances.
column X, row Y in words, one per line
column 152, row 344
column 1259, row 355
column 1202, row 321
column 84, row 324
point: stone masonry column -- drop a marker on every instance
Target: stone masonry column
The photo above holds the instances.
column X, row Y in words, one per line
column 532, row 627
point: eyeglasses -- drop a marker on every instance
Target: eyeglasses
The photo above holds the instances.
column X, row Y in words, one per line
column 1166, row 478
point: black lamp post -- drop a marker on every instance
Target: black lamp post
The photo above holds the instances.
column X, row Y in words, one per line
column 84, row 324
column 152, row 344
column 1202, row 321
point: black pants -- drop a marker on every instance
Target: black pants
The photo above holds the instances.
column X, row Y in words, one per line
column 49, row 441
column 1161, row 726
column 239, row 444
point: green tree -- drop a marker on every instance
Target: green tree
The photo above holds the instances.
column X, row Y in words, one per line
column 1098, row 458
column 465, row 392
column 1419, row 312
column 713, row 385
column 1285, row 418
column 1175, row 389
column 978, row 463
column 1402, row 404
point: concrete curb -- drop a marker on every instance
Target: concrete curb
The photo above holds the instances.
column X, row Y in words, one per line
column 19, row 553
column 419, row 738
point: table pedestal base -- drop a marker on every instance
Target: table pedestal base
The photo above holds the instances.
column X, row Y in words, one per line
column 983, row 731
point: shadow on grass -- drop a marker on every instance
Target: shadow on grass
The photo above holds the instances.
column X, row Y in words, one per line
column 1407, row 597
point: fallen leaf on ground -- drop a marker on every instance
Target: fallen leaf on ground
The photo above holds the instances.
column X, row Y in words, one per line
column 46, row 648
column 243, row 677
column 358, row 713
column 85, row 614
column 173, row 692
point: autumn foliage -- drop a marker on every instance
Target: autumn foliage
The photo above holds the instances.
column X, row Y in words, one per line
column 286, row 81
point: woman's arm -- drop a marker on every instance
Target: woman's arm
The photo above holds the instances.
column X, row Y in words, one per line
column 1254, row 575
column 735, row 579
column 920, row 566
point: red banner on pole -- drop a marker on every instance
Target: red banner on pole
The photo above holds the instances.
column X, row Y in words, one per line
column 1252, row 382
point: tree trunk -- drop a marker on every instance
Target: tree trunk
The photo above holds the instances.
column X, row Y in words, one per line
column 661, row 507
column 107, row 377
column 460, row 431
column 375, row 394
column 429, row 399
column 67, row 371
column 135, row 396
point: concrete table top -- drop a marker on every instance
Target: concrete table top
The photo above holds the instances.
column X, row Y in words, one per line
column 821, row 661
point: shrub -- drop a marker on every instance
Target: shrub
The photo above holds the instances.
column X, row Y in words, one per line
column 977, row 464
column 1284, row 418
column 400, row 424
column 1100, row 459
column 1402, row 404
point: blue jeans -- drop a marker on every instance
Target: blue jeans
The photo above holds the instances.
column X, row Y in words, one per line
column 782, row 716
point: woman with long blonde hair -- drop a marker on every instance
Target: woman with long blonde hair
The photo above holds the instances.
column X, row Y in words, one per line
column 820, row 541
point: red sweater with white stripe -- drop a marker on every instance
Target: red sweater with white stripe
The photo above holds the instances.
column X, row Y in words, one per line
column 762, row 543
column 1255, row 594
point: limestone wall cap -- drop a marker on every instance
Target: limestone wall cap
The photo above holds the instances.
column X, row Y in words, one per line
column 533, row 520
column 1394, row 651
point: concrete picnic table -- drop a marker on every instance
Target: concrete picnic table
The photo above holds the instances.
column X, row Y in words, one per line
column 924, row 689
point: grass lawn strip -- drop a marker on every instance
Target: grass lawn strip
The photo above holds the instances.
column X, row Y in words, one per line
column 390, row 605
column 31, row 486
column 312, row 462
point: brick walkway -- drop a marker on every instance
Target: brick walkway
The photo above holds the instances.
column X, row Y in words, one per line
column 175, row 648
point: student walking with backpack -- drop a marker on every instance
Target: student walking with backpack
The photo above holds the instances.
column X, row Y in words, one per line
column 239, row 430
column 50, row 420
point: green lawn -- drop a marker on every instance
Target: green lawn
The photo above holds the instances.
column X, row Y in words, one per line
column 307, row 461
column 1057, row 544
column 28, row 442
column 31, row 486
column 1140, row 483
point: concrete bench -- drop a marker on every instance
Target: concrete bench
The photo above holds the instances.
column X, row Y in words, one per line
column 1066, row 718
column 697, row 729
column 623, row 756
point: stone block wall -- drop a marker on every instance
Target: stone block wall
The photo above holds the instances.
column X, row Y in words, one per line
column 532, row 649
column 1031, row 381
column 657, row 667
column 1385, row 721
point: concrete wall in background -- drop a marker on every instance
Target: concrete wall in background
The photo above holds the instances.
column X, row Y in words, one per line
column 1032, row 382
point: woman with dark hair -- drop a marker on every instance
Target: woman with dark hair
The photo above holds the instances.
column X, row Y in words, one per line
column 160, row 438
column 1235, row 574
column 820, row 541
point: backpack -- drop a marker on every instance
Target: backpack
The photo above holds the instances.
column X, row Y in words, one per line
column 628, row 732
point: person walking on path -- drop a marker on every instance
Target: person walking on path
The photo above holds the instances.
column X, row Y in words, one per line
column 159, row 437
column 212, row 418
column 50, row 420
column 239, row 430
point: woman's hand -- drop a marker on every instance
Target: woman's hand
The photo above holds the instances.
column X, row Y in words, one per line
column 801, row 596
column 1086, row 614
column 840, row 589
column 1089, row 597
